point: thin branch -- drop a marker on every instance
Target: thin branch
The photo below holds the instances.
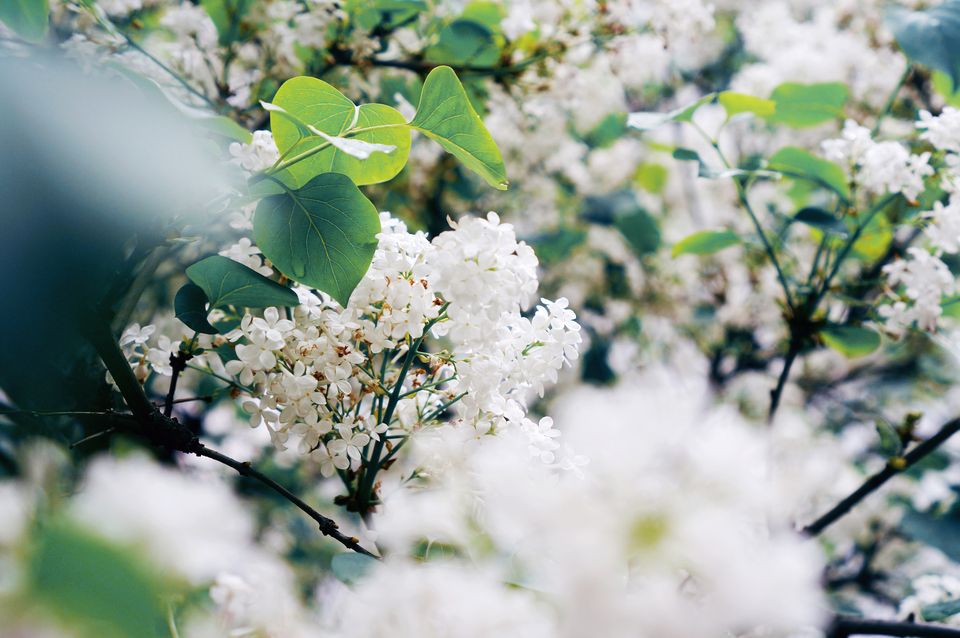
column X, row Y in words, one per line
column 165, row 432
column 178, row 362
column 845, row 626
column 327, row 525
column 872, row 484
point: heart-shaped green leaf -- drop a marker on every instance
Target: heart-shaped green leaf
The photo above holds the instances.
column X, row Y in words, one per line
column 308, row 102
column 803, row 105
column 446, row 116
column 796, row 162
column 852, row 341
column 930, row 36
column 323, row 234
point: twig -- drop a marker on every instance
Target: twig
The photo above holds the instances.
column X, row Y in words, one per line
column 844, row 626
column 178, row 362
column 872, row 484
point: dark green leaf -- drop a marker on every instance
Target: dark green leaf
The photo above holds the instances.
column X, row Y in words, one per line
column 323, row 235
column 229, row 283
column 27, row 18
column 819, row 218
column 446, row 116
column 930, row 36
column 640, row 230
column 190, row 306
column 465, row 43
column 852, row 341
column 705, row 242
column 796, row 162
column 802, row 105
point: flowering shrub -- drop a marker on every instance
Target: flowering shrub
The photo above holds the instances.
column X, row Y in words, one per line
column 272, row 368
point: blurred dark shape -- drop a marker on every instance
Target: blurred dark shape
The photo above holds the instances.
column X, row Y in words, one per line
column 95, row 172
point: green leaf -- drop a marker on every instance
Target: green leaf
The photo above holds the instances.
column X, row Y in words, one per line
column 852, row 341
column 647, row 120
column 190, row 306
column 651, row 177
column 938, row 612
column 930, row 36
column 97, row 589
column 307, row 102
column 28, row 18
column 446, row 116
column 349, row 568
column 225, row 127
column 226, row 15
column 874, row 240
column 890, row 442
column 705, row 242
column 803, row 105
column 229, row 283
column 819, row 218
column 735, row 103
column 640, row 230
column 464, row 43
column 796, row 162
column 323, row 235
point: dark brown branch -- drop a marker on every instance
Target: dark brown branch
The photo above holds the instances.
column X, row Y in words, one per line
column 178, row 362
column 872, row 484
column 842, row 627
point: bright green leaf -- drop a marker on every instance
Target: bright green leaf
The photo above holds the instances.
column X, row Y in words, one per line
column 705, row 242
column 229, row 283
column 821, row 219
column 803, row 105
column 309, row 102
column 322, row 235
column 930, row 36
column 27, row 18
column 735, row 103
column 874, row 240
column 652, row 177
column 349, row 568
column 446, row 116
column 852, row 341
column 796, row 162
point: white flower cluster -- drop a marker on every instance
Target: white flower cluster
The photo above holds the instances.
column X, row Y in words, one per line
column 925, row 279
column 675, row 528
column 879, row 167
column 337, row 379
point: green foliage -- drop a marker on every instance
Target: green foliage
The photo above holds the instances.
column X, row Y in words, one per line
column 705, row 242
column 735, row 103
column 349, row 568
column 938, row 612
column 852, row 341
column 226, row 15
column 446, row 116
column 820, row 219
column 100, row 590
column 322, row 235
column 796, row 162
column 645, row 121
column 874, row 240
column 652, row 177
column 27, row 18
column 803, row 105
column 930, row 36
column 465, row 43
column 190, row 306
column 640, row 230
column 309, row 102
column 226, row 282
